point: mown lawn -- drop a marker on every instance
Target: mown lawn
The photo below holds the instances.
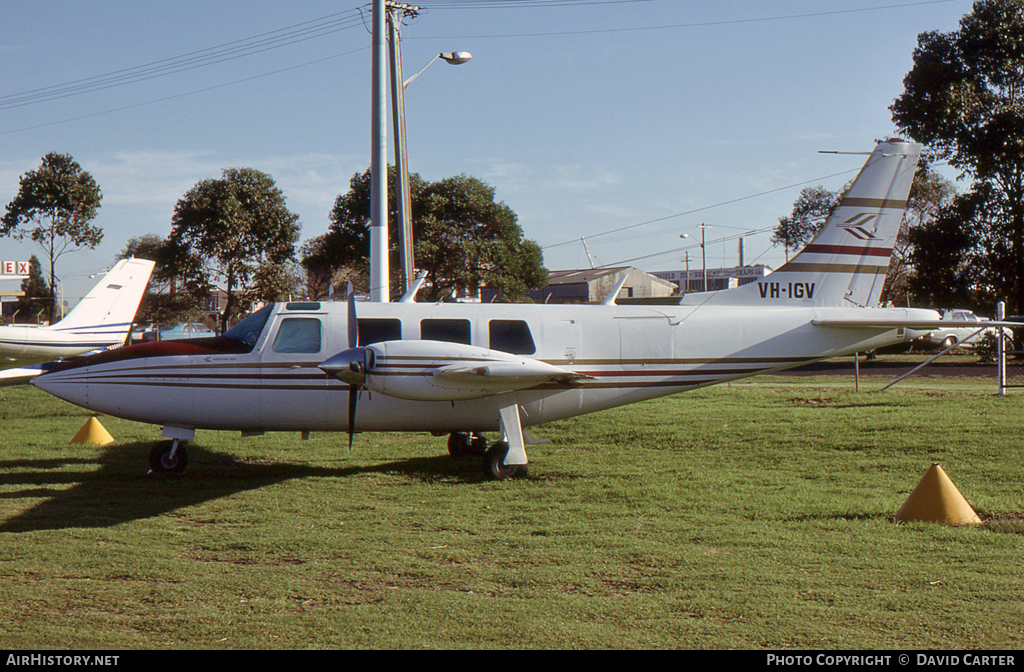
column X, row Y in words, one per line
column 755, row 515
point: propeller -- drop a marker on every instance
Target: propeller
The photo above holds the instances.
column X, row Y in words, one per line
column 350, row 365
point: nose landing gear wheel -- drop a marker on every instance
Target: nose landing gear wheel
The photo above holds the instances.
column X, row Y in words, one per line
column 495, row 467
column 168, row 458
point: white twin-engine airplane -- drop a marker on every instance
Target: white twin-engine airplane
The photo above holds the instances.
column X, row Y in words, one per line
column 464, row 369
column 101, row 319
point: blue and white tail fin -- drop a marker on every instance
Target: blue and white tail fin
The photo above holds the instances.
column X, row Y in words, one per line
column 846, row 263
column 108, row 310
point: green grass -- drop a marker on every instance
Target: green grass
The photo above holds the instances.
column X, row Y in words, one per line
column 756, row 515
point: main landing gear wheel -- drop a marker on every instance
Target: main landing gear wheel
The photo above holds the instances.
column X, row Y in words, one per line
column 168, row 458
column 465, row 444
column 495, row 467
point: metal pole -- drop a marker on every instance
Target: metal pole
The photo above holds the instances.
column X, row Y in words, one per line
column 379, row 290
column 687, row 289
column 1001, row 349
column 403, row 198
column 703, row 258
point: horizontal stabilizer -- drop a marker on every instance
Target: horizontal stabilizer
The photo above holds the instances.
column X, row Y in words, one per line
column 869, row 322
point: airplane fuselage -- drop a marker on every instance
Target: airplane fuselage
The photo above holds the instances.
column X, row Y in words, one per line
column 622, row 354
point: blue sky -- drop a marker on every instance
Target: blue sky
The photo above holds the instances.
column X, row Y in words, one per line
column 644, row 118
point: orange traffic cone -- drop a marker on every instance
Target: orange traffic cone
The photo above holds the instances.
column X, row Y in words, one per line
column 93, row 432
column 935, row 498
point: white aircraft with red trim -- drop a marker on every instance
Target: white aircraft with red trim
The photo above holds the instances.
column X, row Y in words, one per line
column 102, row 319
column 466, row 369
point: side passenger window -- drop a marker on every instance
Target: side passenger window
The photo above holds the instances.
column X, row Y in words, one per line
column 298, row 335
column 511, row 336
column 452, row 331
column 375, row 330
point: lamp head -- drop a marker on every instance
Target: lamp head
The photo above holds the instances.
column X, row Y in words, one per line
column 456, row 57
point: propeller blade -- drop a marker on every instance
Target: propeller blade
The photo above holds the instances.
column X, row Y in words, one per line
column 353, row 399
column 353, row 324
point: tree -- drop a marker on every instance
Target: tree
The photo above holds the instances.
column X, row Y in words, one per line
column 234, row 232
column 54, row 207
column 964, row 97
column 162, row 304
column 810, row 212
column 37, row 296
column 463, row 239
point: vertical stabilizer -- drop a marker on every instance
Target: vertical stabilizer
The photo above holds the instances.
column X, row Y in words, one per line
column 108, row 310
column 846, row 263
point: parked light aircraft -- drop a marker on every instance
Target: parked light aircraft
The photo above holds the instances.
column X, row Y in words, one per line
column 101, row 319
column 465, row 369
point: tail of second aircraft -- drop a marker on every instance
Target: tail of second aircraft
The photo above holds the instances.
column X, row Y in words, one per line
column 108, row 310
column 846, row 263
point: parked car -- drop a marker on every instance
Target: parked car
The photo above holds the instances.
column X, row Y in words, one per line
column 948, row 336
column 144, row 332
column 185, row 330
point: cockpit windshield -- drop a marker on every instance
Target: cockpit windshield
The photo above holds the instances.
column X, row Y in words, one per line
column 248, row 330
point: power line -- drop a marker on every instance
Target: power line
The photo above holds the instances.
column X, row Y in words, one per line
column 249, row 46
column 701, row 209
column 696, row 24
column 182, row 95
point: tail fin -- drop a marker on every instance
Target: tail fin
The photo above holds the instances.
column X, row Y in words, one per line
column 108, row 310
column 846, row 263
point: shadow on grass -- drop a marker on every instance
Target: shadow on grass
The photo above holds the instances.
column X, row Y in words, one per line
column 120, row 490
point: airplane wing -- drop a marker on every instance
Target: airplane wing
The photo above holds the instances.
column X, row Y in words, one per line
column 19, row 375
column 23, row 369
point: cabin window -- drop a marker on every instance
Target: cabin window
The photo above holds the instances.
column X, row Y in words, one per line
column 452, row 331
column 511, row 336
column 248, row 331
column 372, row 330
column 298, row 335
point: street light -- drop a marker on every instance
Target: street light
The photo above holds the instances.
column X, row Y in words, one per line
column 686, row 258
column 387, row 13
column 403, row 197
column 450, row 57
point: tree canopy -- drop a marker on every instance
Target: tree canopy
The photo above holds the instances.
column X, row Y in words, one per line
column 464, row 240
column 964, row 97
column 810, row 212
column 234, row 232
column 54, row 207
column 37, row 295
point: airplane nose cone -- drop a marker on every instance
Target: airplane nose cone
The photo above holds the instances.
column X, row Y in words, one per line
column 64, row 385
column 349, row 366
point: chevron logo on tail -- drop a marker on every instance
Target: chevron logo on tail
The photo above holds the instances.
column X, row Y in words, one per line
column 855, row 226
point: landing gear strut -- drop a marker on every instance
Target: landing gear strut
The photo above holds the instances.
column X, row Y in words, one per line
column 168, row 458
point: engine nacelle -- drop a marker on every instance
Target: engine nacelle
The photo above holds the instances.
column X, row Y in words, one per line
column 443, row 371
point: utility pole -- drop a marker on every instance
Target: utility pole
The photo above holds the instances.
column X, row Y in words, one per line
column 396, row 11
column 703, row 255
column 379, row 285
column 687, row 260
